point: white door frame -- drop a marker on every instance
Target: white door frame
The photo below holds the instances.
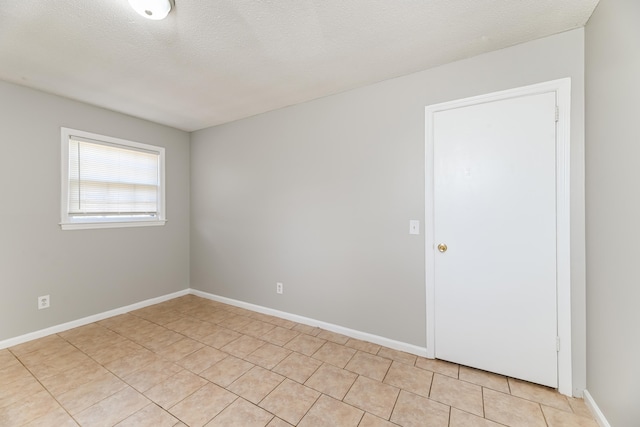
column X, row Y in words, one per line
column 562, row 87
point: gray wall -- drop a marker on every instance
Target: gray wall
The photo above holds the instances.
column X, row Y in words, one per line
column 613, row 209
column 85, row 271
column 319, row 195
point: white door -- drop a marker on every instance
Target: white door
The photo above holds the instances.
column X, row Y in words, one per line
column 495, row 210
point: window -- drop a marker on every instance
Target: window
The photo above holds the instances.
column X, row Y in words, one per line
column 110, row 182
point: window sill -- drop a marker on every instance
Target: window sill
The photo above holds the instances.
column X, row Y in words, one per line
column 114, row 224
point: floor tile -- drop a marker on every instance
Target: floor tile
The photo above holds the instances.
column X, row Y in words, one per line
column 559, row 418
column 306, row 329
column 226, row 371
column 101, row 347
column 484, row 378
column 58, row 418
column 262, row 317
column 268, row 356
column 161, row 317
column 332, row 381
column 370, row 420
column 53, row 342
column 540, row 394
column 83, row 333
column 297, row 367
column 7, row 358
column 217, row 316
column 283, row 323
column 14, row 372
column 335, row 354
column 202, row 359
column 193, row 328
column 18, row 390
column 363, row 346
column 464, row 419
column 438, row 366
column 122, row 321
column 241, row 414
column 87, row 394
column 210, row 314
column 150, row 416
column 235, row 322
column 43, row 354
column 333, row 337
column 256, row 384
column 579, row 407
column 277, row 422
column 290, row 401
column 369, row 365
column 280, row 336
column 139, row 329
column 412, row 410
column 175, row 388
column 52, row 364
column 239, row 311
column 512, row 411
column 243, row 346
column 160, row 340
column 305, row 344
column 410, row 378
column 372, row 396
column 399, row 356
column 40, row 356
column 456, row 393
column 152, row 374
column 72, row 378
column 131, row 362
column 220, row 338
column 116, row 351
column 256, row 328
column 328, row 411
column 87, row 335
column 113, row 409
column 199, row 408
column 28, row 409
column 179, row 349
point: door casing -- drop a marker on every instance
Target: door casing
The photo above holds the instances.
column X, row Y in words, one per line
column 562, row 88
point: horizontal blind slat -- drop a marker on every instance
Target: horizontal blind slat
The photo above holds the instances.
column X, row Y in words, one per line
column 105, row 179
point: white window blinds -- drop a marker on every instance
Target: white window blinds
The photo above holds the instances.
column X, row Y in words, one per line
column 110, row 182
column 106, row 180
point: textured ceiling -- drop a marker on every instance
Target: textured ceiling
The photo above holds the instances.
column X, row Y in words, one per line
column 212, row 62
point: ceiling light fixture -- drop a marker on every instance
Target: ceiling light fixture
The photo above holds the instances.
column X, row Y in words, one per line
column 152, row 9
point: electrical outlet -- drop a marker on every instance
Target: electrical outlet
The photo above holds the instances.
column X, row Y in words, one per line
column 279, row 288
column 43, row 302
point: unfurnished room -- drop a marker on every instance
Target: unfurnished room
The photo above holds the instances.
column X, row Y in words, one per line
column 313, row 213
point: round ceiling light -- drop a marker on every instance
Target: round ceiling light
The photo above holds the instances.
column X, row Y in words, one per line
column 152, row 9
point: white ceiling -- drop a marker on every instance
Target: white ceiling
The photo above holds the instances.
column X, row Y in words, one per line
column 212, row 62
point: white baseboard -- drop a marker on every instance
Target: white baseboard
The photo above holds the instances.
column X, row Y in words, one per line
column 376, row 339
column 90, row 319
column 595, row 410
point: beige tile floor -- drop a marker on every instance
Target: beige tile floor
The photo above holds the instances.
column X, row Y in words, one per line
column 196, row 362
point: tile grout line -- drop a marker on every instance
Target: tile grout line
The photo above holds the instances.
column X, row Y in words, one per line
column 42, row 385
column 395, row 403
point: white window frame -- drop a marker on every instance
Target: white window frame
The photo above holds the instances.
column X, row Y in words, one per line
column 69, row 222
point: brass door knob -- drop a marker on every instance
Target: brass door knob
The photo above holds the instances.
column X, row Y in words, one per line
column 442, row 247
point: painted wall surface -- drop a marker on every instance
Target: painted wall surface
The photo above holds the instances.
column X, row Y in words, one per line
column 85, row 271
column 613, row 209
column 319, row 195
